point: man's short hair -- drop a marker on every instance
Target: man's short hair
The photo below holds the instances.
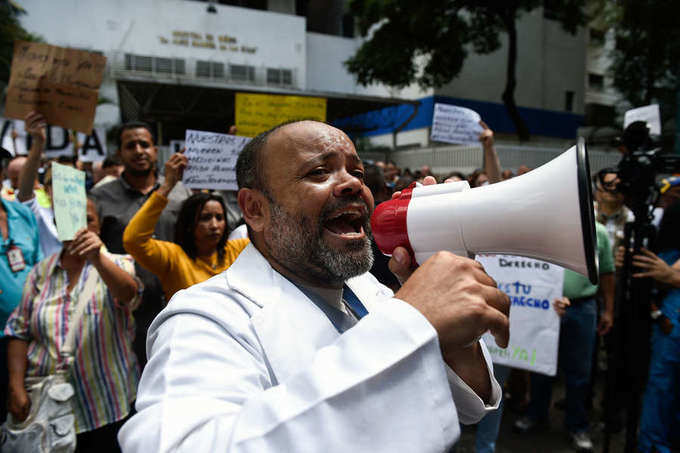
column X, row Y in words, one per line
column 132, row 125
column 111, row 161
column 249, row 166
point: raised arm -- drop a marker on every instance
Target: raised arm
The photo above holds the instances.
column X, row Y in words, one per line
column 120, row 283
column 491, row 163
column 35, row 125
column 138, row 240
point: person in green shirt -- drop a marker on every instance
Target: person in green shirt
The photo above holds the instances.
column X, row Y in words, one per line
column 578, row 328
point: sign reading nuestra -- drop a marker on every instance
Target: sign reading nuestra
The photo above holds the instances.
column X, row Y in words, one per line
column 223, row 42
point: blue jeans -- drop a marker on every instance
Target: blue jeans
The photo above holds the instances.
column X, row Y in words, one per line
column 660, row 419
column 487, row 428
column 577, row 340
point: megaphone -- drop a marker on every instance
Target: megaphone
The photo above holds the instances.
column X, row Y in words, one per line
column 545, row 214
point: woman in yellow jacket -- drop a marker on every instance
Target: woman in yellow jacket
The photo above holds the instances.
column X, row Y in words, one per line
column 201, row 249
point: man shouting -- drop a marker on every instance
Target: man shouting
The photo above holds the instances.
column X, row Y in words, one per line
column 296, row 347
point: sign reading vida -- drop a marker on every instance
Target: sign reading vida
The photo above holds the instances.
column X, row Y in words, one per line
column 453, row 124
column 257, row 113
column 212, row 160
column 62, row 84
column 532, row 286
column 69, row 199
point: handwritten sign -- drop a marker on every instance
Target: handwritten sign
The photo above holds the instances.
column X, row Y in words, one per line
column 532, row 286
column 69, row 200
column 452, row 124
column 212, row 160
column 257, row 113
column 649, row 114
column 61, row 83
column 14, row 138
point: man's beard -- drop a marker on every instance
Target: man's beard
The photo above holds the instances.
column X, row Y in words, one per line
column 297, row 243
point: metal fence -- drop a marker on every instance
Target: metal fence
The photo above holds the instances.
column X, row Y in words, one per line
column 445, row 159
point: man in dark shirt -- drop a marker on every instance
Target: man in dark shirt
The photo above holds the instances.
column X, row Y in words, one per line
column 119, row 200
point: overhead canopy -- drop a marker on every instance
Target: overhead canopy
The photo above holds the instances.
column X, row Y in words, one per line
column 178, row 107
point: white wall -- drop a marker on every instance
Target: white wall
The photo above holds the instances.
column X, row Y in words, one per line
column 326, row 72
column 549, row 62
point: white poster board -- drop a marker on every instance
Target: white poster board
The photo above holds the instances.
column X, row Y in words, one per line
column 92, row 147
column 649, row 113
column 14, row 139
column 453, row 124
column 212, row 160
column 69, row 200
column 532, row 285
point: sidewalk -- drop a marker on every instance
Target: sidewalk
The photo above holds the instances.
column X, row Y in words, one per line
column 552, row 439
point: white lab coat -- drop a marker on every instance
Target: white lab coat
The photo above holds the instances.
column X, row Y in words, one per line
column 245, row 362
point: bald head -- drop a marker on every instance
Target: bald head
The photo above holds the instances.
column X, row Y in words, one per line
column 14, row 169
column 250, row 168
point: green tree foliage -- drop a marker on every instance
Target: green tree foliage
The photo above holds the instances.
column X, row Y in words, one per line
column 646, row 59
column 10, row 31
column 402, row 34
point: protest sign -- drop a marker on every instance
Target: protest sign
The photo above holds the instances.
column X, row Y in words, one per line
column 649, row 113
column 257, row 113
column 532, row 286
column 92, row 148
column 13, row 137
column 452, row 124
column 69, row 200
column 61, row 83
column 212, row 160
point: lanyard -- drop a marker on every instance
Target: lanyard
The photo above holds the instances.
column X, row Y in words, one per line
column 354, row 303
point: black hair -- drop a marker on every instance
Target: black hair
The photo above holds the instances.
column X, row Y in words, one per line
column 668, row 237
column 374, row 178
column 187, row 219
column 132, row 125
column 111, row 161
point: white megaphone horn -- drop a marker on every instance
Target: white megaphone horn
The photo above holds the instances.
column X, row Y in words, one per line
column 545, row 214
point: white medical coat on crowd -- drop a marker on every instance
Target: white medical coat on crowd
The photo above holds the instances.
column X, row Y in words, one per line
column 245, row 362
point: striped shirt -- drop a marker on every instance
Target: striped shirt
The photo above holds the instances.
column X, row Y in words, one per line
column 105, row 372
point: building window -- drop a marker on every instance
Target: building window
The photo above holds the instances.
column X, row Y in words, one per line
column 210, row 69
column 154, row 64
column 597, row 37
column 595, row 82
column 138, row 63
column 242, row 73
column 162, row 65
column 569, row 101
column 279, row 76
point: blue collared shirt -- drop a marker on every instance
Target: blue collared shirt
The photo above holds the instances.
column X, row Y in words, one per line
column 23, row 232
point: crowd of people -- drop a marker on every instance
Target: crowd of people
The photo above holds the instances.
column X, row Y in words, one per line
column 262, row 348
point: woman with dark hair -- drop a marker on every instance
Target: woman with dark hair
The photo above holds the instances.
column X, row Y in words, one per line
column 201, row 249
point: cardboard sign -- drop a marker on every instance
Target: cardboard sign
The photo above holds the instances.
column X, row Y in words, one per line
column 257, row 113
column 532, row 285
column 212, row 160
column 61, row 83
column 69, row 200
column 649, row 113
column 452, row 124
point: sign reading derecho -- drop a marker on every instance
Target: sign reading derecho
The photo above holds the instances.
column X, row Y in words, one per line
column 453, row 124
column 69, row 199
column 532, row 286
column 257, row 113
column 212, row 160
column 61, row 83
